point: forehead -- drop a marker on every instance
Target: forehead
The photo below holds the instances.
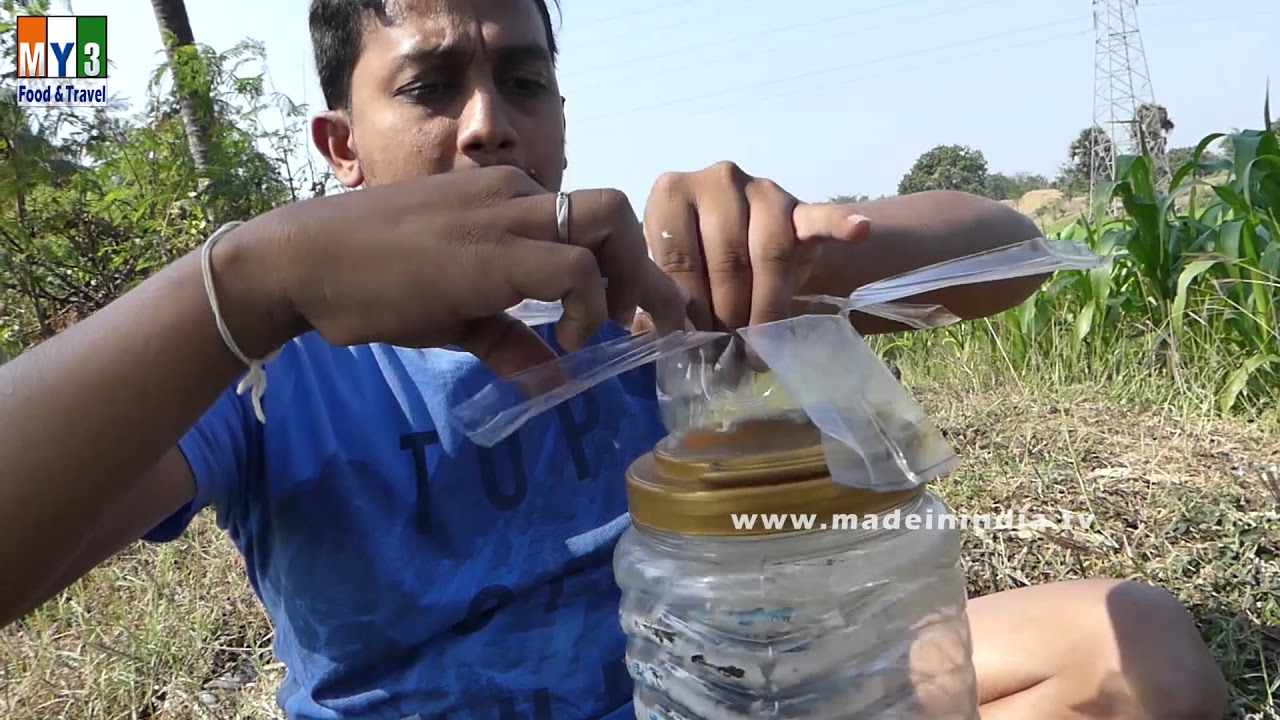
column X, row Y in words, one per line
column 475, row 25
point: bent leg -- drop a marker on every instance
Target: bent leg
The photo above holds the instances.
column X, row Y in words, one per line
column 1092, row 649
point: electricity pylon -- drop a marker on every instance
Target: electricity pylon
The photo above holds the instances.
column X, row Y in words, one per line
column 1121, row 91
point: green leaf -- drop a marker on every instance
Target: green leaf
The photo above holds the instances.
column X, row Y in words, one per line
column 1084, row 321
column 1190, row 167
column 1237, row 380
column 1193, row 270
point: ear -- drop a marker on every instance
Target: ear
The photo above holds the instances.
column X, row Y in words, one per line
column 332, row 136
column 564, row 128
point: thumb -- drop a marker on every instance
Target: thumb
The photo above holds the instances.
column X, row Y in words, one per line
column 829, row 221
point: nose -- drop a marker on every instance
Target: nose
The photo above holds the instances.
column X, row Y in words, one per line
column 485, row 133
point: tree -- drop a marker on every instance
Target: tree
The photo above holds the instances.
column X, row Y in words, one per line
column 947, row 167
column 1180, row 156
column 849, row 199
column 1153, row 127
column 92, row 201
column 193, row 99
column 1091, row 148
column 1011, row 187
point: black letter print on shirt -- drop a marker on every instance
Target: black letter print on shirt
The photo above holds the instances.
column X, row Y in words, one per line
column 417, row 444
column 500, row 499
column 575, row 431
column 483, row 607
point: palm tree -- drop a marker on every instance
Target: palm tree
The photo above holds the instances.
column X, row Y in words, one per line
column 1153, row 126
column 175, row 31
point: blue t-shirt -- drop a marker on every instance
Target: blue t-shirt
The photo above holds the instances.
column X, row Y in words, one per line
column 410, row 573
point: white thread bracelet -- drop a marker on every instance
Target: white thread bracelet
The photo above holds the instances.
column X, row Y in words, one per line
column 256, row 379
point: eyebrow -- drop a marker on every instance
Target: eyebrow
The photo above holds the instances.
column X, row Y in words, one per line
column 458, row 54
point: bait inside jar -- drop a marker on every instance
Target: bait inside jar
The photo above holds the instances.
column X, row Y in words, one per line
column 754, row 586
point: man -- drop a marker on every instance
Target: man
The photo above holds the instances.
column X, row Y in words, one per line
column 407, row 571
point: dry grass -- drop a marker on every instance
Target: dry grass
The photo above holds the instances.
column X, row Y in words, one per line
column 1179, row 501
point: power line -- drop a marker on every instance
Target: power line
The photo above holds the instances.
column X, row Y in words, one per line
column 734, row 39
column 828, row 70
column 926, row 65
column 646, row 8
column 682, row 22
column 989, row 49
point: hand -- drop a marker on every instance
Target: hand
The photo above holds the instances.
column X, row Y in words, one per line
column 740, row 247
column 436, row 260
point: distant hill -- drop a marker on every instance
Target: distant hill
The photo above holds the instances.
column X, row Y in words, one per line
column 1053, row 209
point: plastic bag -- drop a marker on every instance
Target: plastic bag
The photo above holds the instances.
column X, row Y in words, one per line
column 874, row 436
column 506, row 404
column 873, row 433
column 537, row 312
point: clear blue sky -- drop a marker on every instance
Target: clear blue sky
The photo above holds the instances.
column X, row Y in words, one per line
column 824, row 96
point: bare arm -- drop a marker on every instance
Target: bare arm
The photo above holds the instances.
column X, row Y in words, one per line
column 89, row 415
column 912, row 231
column 141, row 506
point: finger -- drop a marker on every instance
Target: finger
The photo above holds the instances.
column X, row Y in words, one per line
column 551, row 271
column 501, row 182
column 664, row 300
column 505, row 345
column 723, row 217
column 601, row 222
column 829, row 221
column 772, row 241
column 644, row 323
column 671, row 231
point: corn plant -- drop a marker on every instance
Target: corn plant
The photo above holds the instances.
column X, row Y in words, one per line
column 1196, row 265
column 1192, row 279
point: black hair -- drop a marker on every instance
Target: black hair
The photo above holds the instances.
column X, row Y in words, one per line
column 337, row 32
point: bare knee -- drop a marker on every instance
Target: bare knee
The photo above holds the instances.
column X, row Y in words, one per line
column 1095, row 649
column 1156, row 665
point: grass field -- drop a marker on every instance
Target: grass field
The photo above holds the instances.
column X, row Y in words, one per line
column 1143, row 393
column 1180, row 500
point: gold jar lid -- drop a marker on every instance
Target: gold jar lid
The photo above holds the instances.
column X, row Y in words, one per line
column 698, row 484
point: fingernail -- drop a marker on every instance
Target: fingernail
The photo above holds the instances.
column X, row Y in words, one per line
column 858, row 219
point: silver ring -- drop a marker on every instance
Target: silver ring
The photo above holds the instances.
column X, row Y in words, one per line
column 562, row 216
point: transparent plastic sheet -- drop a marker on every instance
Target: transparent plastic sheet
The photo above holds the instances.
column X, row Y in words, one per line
column 503, row 406
column 1032, row 257
column 820, row 368
column 880, row 298
column 874, row 435
column 537, row 312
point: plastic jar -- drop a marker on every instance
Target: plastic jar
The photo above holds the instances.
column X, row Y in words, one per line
column 864, row 618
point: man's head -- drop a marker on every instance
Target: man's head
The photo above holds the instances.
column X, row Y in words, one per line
column 418, row 87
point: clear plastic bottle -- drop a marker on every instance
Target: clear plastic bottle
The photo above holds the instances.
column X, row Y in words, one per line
column 861, row 618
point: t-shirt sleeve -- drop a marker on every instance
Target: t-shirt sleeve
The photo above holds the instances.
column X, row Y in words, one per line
column 224, row 451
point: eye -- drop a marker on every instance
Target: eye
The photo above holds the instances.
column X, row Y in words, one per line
column 528, row 84
column 424, row 92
